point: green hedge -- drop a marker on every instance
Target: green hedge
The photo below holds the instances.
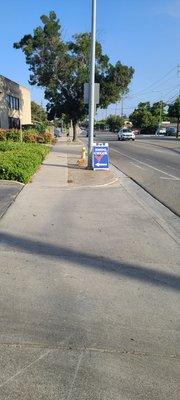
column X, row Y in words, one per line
column 29, row 136
column 19, row 161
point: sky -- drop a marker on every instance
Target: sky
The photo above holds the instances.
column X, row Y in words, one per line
column 144, row 34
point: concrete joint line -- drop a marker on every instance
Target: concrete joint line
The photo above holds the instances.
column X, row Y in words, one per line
column 85, row 350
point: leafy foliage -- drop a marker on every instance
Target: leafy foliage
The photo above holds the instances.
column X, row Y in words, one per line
column 158, row 110
column 19, row 161
column 63, row 68
column 38, row 114
column 142, row 117
column 174, row 109
column 39, row 117
column 115, row 122
column 29, row 136
column 10, row 134
column 174, row 113
column 101, row 125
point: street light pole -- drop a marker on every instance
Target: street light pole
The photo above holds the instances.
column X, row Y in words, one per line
column 92, row 84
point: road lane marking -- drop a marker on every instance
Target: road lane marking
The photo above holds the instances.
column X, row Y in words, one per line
column 138, row 166
column 161, row 149
column 147, row 165
column 169, row 179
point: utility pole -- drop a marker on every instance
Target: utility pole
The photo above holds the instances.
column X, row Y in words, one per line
column 160, row 112
column 178, row 116
column 92, row 84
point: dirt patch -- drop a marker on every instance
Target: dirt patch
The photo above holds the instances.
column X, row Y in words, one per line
column 79, row 175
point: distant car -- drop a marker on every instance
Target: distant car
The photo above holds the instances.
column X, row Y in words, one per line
column 126, row 134
column 136, row 131
column 171, row 131
column 160, row 131
column 57, row 132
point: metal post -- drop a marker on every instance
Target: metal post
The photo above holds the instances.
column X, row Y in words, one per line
column 92, row 84
column 160, row 114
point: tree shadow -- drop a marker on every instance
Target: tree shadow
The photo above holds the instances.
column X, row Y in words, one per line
column 83, row 259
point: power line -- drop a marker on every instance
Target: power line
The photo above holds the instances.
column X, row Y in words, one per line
column 170, row 91
column 157, row 81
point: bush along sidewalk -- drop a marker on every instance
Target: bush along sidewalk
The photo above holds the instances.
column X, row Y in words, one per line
column 19, row 161
column 29, row 136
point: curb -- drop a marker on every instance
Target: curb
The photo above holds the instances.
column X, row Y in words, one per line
column 10, row 183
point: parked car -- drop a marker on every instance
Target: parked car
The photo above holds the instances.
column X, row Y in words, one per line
column 136, row 131
column 171, row 131
column 126, row 134
column 57, row 132
column 160, row 131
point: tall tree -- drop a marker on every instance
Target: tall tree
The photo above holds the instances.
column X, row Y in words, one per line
column 174, row 112
column 63, row 68
column 142, row 116
column 115, row 122
column 38, row 114
column 158, row 110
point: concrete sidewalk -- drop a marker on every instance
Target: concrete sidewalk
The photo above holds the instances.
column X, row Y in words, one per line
column 90, row 304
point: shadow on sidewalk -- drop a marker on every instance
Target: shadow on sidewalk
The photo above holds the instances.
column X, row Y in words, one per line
column 70, row 166
column 130, row 271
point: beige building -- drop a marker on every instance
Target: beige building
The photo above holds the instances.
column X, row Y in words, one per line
column 15, row 104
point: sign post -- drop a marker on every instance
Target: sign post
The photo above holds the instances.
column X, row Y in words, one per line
column 92, row 83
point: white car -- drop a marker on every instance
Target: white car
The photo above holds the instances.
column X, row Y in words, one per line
column 126, row 134
column 160, row 131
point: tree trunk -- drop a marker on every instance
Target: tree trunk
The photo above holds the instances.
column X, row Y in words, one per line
column 75, row 126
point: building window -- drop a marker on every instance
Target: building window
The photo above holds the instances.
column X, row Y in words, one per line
column 13, row 102
column 14, row 123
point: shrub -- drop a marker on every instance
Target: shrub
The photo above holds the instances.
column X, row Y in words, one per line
column 149, row 130
column 13, row 134
column 2, row 134
column 19, row 161
column 30, row 136
column 41, row 127
column 45, row 137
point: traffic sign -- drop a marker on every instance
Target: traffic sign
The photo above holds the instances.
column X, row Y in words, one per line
column 100, row 159
column 87, row 93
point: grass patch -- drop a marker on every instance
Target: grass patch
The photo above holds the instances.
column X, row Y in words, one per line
column 19, row 161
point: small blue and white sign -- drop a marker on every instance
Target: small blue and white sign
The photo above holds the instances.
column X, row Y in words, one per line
column 100, row 159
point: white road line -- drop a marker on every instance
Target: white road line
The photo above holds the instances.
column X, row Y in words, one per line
column 169, row 179
column 138, row 166
column 147, row 165
column 150, row 144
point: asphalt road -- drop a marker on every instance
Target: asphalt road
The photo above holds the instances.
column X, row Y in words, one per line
column 154, row 163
